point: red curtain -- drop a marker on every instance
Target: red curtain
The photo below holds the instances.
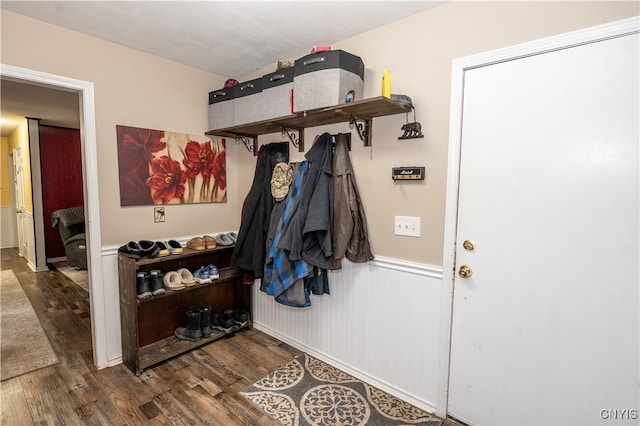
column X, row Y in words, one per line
column 61, row 167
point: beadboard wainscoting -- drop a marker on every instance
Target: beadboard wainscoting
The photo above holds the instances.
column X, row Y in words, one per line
column 380, row 323
column 9, row 227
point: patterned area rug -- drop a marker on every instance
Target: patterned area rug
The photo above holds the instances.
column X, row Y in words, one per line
column 308, row 391
column 24, row 347
column 78, row 276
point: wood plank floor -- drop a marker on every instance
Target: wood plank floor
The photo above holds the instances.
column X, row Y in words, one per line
column 197, row 388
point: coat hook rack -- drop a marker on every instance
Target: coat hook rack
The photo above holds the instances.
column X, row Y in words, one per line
column 297, row 142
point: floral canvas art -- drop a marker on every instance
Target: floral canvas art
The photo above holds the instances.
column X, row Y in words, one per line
column 158, row 167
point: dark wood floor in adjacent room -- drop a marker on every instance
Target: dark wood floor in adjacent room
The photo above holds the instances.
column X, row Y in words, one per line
column 200, row 387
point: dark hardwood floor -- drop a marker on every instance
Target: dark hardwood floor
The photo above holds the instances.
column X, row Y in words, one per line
column 197, row 388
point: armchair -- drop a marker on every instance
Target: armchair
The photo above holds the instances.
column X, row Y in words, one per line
column 71, row 226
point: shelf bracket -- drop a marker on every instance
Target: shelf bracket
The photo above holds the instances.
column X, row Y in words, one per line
column 364, row 129
column 297, row 142
column 248, row 141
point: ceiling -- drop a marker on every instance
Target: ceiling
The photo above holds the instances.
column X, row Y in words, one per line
column 229, row 38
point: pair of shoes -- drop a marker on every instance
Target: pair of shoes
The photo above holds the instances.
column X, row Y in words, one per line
column 227, row 239
column 178, row 280
column 137, row 250
column 240, row 317
column 149, row 284
column 223, row 322
column 202, row 275
column 198, row 324
column 205, row 274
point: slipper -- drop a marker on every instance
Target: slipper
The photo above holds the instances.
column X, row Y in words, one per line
column 186, row 277
column 233, row 236
column 149, row 248
column 164, row 250
column 209, row 241
column 131, row 250
column 223, row 240
column 196, row 243
column 172, row 281
column 174, row 247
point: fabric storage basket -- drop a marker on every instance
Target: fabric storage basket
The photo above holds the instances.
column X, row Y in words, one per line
column 247, row 102
column 221, row 108
column 276, row 93
column 325, row 79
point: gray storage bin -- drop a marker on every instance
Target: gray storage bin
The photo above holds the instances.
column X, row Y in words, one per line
column 277, row 93
column 248, row 105
column 221, row 108
column 325, row 79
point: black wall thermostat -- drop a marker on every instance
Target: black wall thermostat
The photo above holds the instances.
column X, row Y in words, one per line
column 407, row 173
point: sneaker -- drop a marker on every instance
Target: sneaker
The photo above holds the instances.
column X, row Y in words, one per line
column 202, row 275
column 213, row 271
column 143, row 285
column 240, row 317
column 156, row 279
column 223, row 322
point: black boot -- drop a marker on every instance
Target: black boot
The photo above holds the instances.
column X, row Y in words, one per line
column 143, row 285
column 192, row 330
column 205, row 321
column 157, row 283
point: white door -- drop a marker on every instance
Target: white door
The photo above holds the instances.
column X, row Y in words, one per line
column 546, row 328
column 21, row 217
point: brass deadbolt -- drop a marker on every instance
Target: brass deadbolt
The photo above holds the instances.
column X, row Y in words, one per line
column 465, row 271
column 468, row 245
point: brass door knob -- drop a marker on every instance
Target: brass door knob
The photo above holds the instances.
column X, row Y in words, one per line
column 465, row 271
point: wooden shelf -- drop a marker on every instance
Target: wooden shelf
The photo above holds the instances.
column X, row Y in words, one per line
column 170, row 347
column 364, row 110
column 148, row 325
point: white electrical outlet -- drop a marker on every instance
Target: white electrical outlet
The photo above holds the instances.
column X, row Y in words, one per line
column 408, row 226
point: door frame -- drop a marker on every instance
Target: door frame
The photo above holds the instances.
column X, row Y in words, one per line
column 90, row 184
column 459, row 67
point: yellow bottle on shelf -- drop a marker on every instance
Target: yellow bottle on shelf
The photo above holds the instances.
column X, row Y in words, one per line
column 386, row 83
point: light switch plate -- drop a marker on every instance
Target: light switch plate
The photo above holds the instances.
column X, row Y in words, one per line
column 408, row 226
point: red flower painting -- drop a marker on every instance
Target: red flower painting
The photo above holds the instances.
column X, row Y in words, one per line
column 160, row 167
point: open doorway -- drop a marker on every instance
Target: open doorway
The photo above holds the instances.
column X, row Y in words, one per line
column 84, row 90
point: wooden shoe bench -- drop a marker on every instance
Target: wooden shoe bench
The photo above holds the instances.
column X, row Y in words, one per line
column 148, row 325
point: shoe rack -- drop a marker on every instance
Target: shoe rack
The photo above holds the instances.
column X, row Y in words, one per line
column 148, row 325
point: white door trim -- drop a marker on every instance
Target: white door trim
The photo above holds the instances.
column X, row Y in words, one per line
column 460, row 66
column 92, row 202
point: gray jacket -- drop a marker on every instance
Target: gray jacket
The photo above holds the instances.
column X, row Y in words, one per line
column 350, row 237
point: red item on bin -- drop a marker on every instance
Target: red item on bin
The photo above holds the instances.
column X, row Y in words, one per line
column 317, row 49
